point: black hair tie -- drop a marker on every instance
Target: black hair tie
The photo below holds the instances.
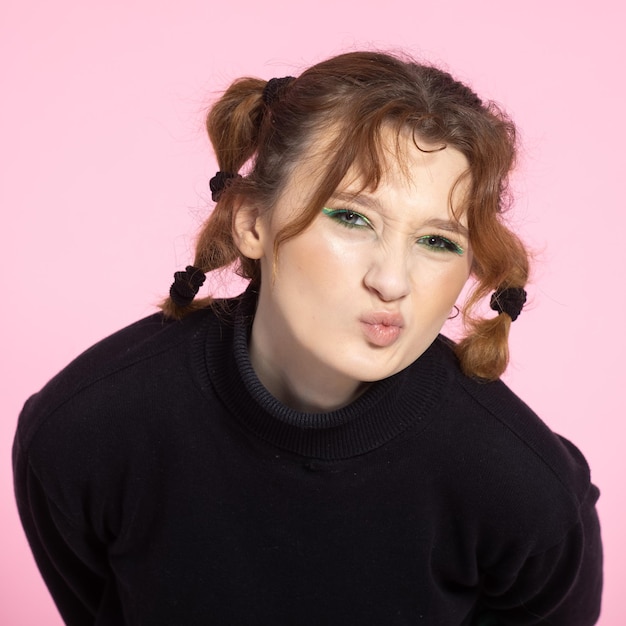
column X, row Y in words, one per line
column 510, row 301
column 186, row 285
column 218, row 183
column 274, row 88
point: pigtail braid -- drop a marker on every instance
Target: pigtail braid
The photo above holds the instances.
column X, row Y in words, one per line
column 234, row 125
column 504, row 264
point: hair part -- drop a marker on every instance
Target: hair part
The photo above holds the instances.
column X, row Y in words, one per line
column 351, row 98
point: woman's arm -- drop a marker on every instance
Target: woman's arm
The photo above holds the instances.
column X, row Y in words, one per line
column 71, row 561
column 561, row 586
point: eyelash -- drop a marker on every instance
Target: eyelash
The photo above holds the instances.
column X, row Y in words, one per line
column 436, row 243
column 440, row 244
column 339, row 214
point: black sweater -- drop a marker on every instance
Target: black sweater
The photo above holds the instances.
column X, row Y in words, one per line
column 160, row 483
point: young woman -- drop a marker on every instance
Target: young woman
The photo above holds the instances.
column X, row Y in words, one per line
column 314, row 452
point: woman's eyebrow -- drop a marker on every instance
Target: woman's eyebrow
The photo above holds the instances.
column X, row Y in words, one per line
column 451, row 226
column 357, row 198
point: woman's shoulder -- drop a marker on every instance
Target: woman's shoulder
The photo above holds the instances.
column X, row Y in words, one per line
column 126, row 364
column 511, row 437
column 512, row 475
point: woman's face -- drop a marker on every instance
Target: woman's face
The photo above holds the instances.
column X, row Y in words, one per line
column 366, row 288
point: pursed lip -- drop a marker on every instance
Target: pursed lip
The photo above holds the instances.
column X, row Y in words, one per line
column 382, row 328
column 385, row 318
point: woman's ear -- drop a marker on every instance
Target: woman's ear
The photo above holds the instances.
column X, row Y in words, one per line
column 248, row 231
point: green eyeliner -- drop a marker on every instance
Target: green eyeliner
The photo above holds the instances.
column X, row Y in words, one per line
column 338, row 213
column 457, row 248
column 454, row 247
column 450, row 246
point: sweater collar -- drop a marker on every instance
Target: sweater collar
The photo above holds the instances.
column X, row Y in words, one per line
column 386, row 409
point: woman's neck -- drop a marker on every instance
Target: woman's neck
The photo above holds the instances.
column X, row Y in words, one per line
column 304, row 386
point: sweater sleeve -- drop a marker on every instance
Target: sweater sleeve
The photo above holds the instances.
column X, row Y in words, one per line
column 560, row 586
column 72, row 561
column 72, row 455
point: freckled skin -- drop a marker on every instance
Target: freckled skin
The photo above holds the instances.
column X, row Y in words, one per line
column 308, row 344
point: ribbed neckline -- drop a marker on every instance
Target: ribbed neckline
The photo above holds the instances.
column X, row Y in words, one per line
column 382, row 412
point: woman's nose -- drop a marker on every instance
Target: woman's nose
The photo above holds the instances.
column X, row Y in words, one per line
column 388, row 275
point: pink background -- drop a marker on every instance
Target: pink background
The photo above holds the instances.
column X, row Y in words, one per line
column 105, row 172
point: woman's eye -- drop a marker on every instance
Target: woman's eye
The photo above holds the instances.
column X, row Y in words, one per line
column 437, row 242
column 347, row 217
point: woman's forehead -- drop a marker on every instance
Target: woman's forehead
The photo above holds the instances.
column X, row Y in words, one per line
column 396, row 159
column 389, row 151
